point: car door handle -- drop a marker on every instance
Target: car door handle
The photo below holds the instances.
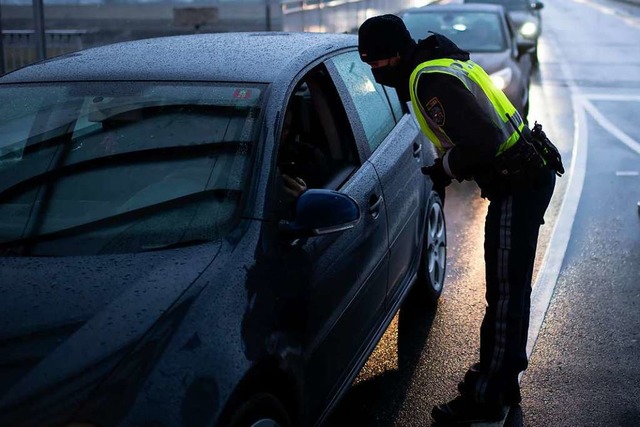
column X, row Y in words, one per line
column 374, row 205
column 417, row 148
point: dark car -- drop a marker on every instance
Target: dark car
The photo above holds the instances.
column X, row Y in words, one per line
column 153, row 272
column 526, row 16
column 483, row 31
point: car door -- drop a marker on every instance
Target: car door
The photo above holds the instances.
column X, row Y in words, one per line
column 348, row 269
column 395, row 151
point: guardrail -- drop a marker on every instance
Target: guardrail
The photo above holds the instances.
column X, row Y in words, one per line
column 125, row 21
column 20, row 45
column 337, row 16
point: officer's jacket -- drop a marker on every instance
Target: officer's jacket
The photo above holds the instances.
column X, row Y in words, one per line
column 463, row 114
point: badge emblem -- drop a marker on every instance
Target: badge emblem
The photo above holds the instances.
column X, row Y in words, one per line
column 435, row 111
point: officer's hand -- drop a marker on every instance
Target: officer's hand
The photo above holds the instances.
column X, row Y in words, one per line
column 437, row 174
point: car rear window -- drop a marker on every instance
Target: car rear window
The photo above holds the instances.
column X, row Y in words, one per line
column 104, row 167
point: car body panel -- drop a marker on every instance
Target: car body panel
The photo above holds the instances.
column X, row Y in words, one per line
column 180, row 336
column 521, row 12
column 399, row 171
column 518, row 91
column 66, row 314
column 250, row 57
column 349, row 282
column 491, row 61
column 397, row 162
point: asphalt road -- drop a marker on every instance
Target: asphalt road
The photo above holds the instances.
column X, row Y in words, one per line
column 584, row 341
column 584, row 369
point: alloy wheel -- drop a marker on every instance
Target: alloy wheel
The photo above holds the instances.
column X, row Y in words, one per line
column 436, row 246
column 266, row 422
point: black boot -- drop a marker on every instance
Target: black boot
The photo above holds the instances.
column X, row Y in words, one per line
column 463, row 410
column 510, row 397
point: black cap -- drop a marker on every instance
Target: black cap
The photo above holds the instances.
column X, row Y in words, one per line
column 383, row 37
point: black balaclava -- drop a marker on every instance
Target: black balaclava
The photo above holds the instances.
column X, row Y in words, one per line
column 383, row 37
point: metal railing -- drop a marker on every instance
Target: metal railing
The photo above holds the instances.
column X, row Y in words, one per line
column 337, row 16
column 20, row 47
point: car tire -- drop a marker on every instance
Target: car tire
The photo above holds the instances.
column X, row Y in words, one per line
column 261, row 410
column 535, row 62
column 432, row 269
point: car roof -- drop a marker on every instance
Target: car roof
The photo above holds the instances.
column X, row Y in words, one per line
column 458, row 7
column 247, row 57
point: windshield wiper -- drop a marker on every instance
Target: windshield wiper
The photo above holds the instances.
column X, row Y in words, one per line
column 119, row 159
column 179, row 244
column 13, row 246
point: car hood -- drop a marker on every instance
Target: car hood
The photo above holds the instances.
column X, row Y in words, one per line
column 491, row 62
column 67, row 322
column 520, row 17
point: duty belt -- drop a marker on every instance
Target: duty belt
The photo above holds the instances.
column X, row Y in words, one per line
column 518, row 160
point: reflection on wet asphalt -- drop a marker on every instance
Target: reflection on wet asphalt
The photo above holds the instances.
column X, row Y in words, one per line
column 425, row 351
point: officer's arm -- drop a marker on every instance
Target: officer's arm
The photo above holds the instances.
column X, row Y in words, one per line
column 474, row 135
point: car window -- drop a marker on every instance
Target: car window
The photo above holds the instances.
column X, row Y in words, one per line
column 368, row 97
column 316, row 142
column 396, row 105
column 91, row 168
column 472, row 31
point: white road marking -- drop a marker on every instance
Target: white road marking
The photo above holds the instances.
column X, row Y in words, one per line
column 610, row 127
column 549, row 272
column 626, row 17
column 603, row 9
column 554, row 256
column 627, row 173
column 611, row 97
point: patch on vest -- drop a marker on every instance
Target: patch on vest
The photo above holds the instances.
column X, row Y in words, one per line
column 435, row 111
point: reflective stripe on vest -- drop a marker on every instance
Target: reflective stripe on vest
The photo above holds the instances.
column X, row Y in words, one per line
column 491, row 99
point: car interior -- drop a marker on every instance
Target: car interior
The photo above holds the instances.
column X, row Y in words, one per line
column 316, row 143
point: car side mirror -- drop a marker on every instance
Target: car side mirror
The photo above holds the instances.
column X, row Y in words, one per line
column 321, row 212
column 525, row 47
column 537, row 5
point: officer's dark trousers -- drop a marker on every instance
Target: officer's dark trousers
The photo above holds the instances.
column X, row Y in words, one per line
column 511, row 234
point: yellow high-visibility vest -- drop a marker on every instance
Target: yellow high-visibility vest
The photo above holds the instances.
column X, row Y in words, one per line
column 492, row 100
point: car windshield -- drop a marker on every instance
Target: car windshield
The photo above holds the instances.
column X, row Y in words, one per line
column 472, row 31
column 508, row 4
column 113, row 167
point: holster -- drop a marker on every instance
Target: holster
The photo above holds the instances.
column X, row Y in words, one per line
column 516, row 168
column 520, row 159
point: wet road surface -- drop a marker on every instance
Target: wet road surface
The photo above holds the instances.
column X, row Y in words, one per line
column 584, row 368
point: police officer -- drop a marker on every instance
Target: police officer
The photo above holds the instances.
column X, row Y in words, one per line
column 478, row 134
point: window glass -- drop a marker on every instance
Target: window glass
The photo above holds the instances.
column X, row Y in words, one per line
column 93, row 168
column 396, row 105
column 368, row 96
column 508, row 4
column 472, row 31
column 316, row 143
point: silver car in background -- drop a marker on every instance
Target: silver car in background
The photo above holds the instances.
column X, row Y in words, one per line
column 526, row 16
column 487, row 34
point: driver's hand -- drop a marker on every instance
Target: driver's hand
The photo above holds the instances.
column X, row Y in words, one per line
column 294, row 186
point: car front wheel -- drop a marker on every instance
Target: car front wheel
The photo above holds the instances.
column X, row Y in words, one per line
column 262, row 410
column 434, row 253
